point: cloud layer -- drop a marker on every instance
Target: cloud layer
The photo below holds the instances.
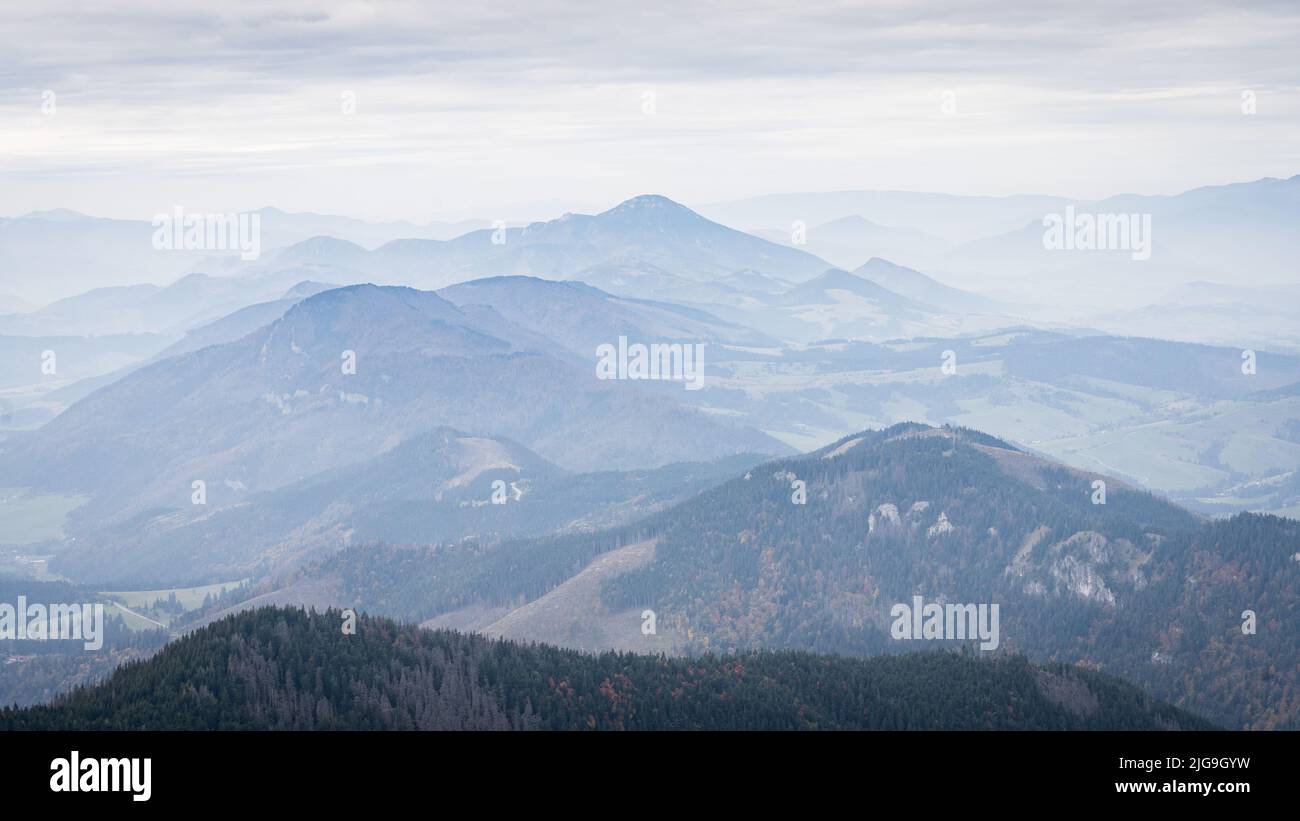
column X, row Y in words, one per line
column 513, row 110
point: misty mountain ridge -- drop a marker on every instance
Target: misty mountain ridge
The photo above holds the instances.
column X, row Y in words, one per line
column 652, row 247
column 649, row 229
column 50, row 255
column 277, row 405
column 440, row 485
column 192, row 300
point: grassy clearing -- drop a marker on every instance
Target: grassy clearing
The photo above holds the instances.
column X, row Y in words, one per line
column 133, row 620
column 151, row 609
column 189, row 598
column 26, row 518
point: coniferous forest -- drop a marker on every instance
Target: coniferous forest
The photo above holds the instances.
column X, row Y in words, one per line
column 290, row 669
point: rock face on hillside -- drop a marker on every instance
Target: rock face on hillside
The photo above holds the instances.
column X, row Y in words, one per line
column 950, row 515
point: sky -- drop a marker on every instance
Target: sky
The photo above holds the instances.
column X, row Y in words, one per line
column 524, row 110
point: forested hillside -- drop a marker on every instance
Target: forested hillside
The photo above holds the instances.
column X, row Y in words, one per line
column 278, row 668
column 1128, row 583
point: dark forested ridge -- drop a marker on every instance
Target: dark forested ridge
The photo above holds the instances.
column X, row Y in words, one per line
column 276, row 668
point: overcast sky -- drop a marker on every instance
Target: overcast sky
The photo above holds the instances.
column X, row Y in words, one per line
column 520, row 110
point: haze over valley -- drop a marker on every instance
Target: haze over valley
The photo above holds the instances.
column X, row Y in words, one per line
column 853, row 367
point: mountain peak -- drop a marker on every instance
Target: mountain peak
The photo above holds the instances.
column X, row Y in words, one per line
column 649, row 201
column 651, row 205
column 834, row 273
column 906, row 431
column 837, row 277
column 524, row 284
column 57, row 215
column 377, row 304
column 323, row 248
column 923, row 289
column 881, row 263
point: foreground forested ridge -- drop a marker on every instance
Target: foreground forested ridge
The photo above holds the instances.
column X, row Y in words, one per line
column 277, row 668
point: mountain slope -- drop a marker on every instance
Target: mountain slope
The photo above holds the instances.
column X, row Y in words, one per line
column 242, row 322
column 1136, row 586
column 580, row 317
column 97, row 371
column 842, row 305
column 277, row 406
column 437, row 486
column 953, row 518
column 918, row 287
column 287, row 669
column 191, row 301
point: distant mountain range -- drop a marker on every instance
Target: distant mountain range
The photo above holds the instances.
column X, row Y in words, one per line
column 652, row 247
column 1079, row 398
column 278, row 405
column 646, row 233
column 952, row 218
column 1241, row 234
column 879, row 301
column 442, row 485
column 49, row 255
column 96, row 337
column 923, row 289
column 174, row 309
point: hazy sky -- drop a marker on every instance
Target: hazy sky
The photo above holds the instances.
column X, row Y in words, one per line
column 520, row 110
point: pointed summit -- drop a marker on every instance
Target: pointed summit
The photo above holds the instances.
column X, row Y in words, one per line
column 647, row 202
column 653, row 210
